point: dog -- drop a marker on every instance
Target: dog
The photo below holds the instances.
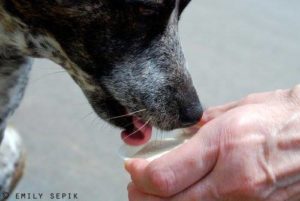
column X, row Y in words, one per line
column 124, row 54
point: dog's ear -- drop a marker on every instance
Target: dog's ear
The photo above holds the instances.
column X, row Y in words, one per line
column 146, row 1
column 182, row 5
column 149, row 7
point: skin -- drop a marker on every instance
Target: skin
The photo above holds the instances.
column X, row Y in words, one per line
column 247, row 150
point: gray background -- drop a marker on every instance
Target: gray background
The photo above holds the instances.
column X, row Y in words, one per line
column 233, row 47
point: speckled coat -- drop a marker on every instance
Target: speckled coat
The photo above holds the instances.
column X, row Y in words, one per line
column 125, row 55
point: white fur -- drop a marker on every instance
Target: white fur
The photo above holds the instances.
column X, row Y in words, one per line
column 10, row 155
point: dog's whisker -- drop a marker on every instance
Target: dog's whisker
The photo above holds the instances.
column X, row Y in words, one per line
column 145, row 124
column 163, row 136
column 156, row 138
column 159, row 142
column 126, row 115
column 49, row 74
column 87, row 115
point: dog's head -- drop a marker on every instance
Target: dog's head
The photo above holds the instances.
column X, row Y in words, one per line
column 128, row 51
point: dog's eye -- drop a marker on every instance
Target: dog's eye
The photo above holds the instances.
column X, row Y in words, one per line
column 146, row 11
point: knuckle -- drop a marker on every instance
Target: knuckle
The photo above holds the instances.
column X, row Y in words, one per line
column 210, row 112
column 211, row 109
column 280, row 92
column 295, row 94
column 249, row 98
column 162, row 181
column 236, row 130
column 238, row 124
column 296, row 89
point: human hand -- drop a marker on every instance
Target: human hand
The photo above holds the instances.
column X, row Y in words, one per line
column 248, row 150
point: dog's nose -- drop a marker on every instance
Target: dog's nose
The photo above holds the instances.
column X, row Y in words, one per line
column 190, row 115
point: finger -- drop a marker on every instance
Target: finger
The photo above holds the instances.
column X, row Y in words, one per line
column 135, row 195
column 214, row 112
column 178, row 169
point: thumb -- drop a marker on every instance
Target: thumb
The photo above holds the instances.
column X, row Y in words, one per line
column 180, row 168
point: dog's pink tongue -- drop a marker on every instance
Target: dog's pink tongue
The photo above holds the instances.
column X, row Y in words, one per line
column 140, row 135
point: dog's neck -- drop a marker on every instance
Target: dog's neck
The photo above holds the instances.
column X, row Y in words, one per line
column 14, row 65
column 17, row 45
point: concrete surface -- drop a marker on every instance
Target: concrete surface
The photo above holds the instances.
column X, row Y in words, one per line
column 233, row 47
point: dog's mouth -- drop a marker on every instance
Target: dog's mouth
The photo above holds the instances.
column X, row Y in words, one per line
column 138, row 133
column 136, row 130
column 137, row 120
